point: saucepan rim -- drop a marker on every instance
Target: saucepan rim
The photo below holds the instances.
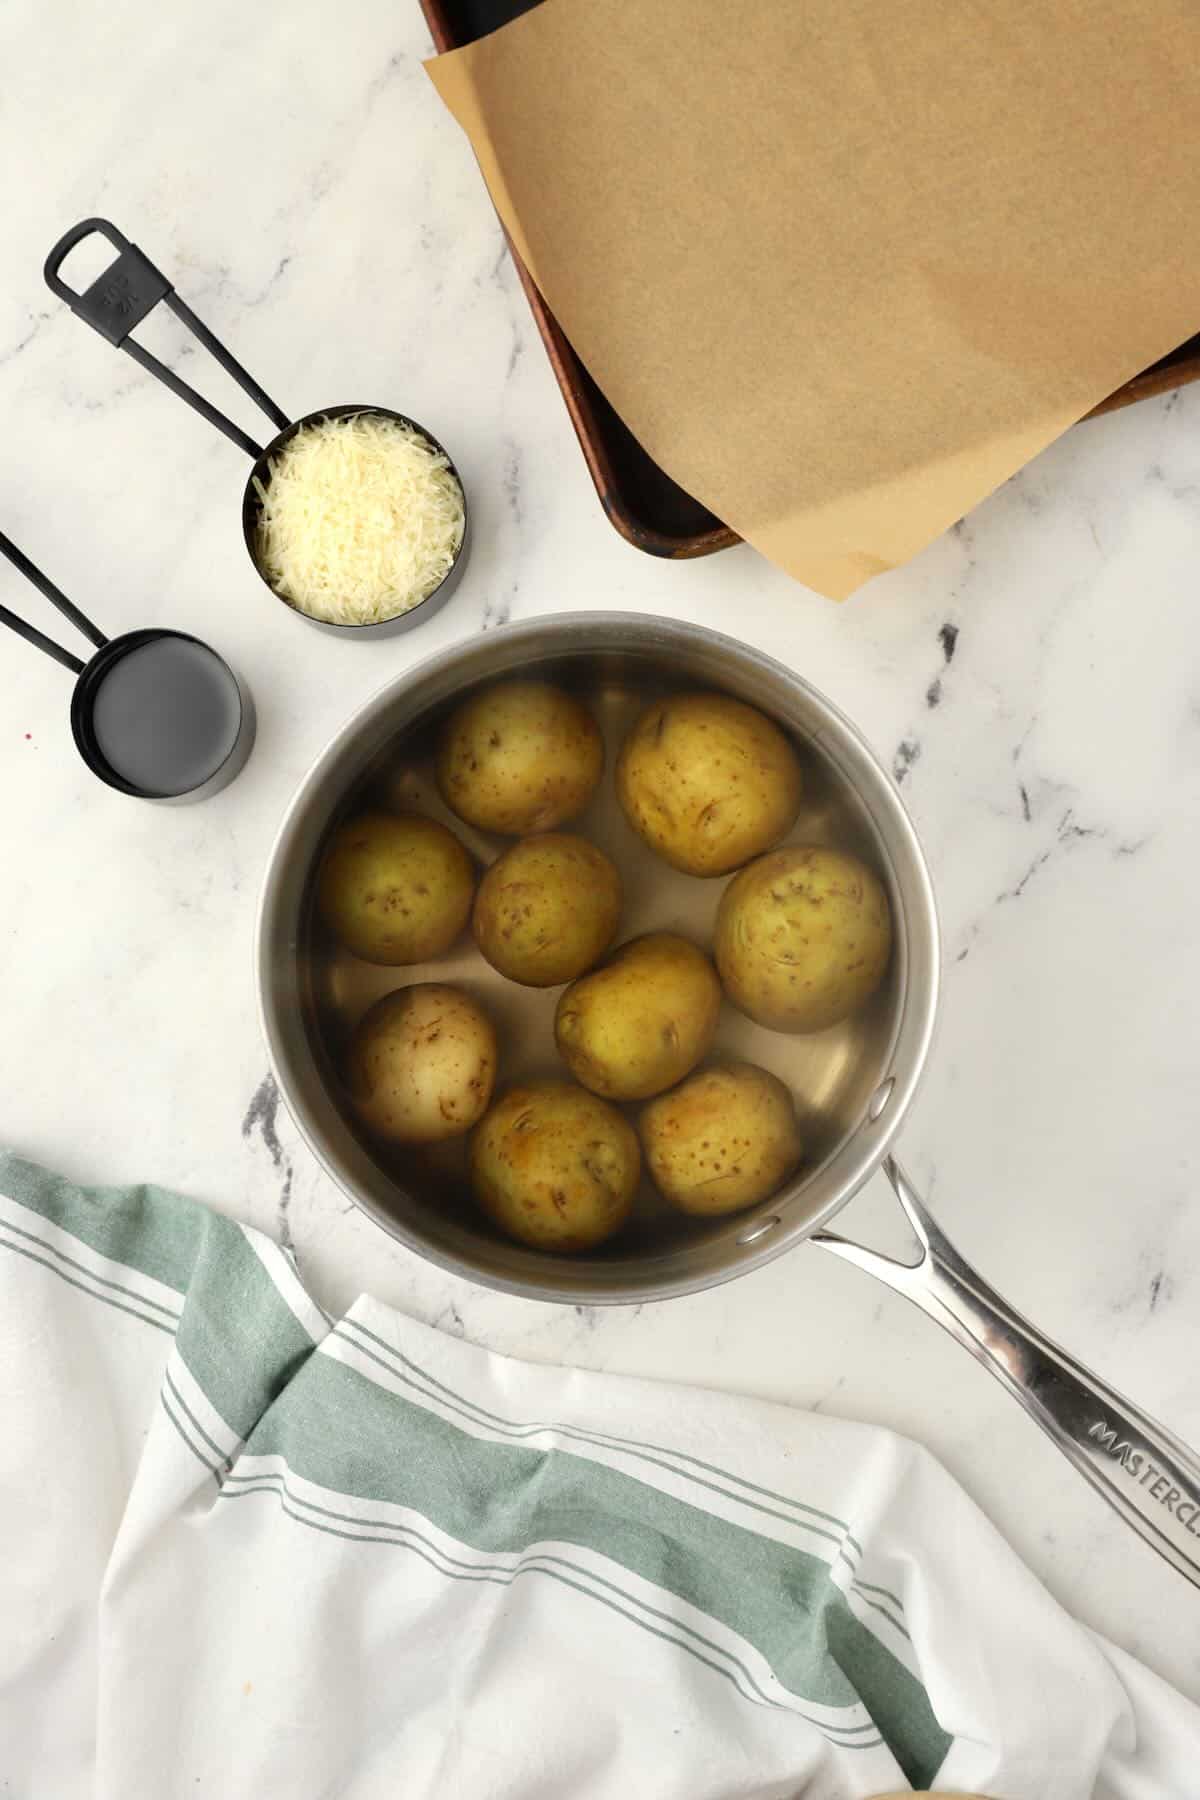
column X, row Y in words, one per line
column 752, row 1239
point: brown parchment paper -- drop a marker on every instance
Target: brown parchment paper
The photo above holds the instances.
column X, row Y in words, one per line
column 844, row 265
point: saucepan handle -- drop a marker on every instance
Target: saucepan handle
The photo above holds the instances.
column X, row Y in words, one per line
column 117, row 302
column 1141, row 1469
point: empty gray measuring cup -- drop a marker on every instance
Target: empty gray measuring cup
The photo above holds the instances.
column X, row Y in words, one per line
column 155, row 713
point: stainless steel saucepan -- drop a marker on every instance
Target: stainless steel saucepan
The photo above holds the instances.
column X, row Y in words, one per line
column 853, row 1083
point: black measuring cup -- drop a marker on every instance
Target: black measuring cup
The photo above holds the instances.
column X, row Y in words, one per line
column 117, row 302
column 155, row 713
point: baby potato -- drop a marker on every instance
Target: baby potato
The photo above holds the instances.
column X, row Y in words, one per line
column 708, row 782
column 521, row 756
column 555, row 1167
column 803, row 938
column 422, row 1064
column 395, row 888
column 547, row 909
column 724, row 1139
column 643, row 1021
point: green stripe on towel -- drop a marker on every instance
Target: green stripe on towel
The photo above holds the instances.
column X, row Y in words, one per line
column 584, row 1580
column 337, row 1428
column 146, row 1228
column 239, row 1338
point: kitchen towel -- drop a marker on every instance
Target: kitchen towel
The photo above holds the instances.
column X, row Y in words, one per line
column 250, row 1551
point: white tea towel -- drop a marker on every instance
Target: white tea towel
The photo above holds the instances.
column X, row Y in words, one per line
column 252, row 1553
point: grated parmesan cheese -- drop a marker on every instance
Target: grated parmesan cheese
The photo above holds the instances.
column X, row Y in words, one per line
column 361, row 520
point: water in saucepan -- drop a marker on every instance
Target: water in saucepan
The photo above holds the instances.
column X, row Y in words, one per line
column 167, row 715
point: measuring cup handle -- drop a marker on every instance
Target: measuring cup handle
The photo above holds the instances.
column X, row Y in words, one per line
column 1137, row 1465
column 56, row 597
column 67, row 243
column 119, row 299
column 117, row 302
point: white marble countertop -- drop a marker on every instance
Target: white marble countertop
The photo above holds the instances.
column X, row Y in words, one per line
column 1032, row 679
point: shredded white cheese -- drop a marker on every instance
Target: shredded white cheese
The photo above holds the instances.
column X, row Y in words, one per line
column 360, row 521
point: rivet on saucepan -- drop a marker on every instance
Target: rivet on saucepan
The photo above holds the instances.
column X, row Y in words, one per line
column 759, row 1229
column 877, row 1105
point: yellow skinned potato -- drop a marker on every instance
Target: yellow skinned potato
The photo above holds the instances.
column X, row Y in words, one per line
column 395, row 888
column 555, row 1167
column 803, row 938
column 643, row 1021
column 724, row 1139
column 518, row 757
column 547, row 909
column 708, row 782
column 422, row 1064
